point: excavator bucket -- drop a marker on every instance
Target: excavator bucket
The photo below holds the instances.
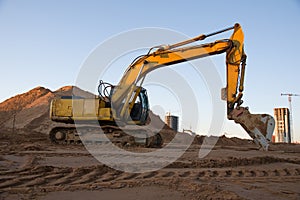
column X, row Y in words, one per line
column 260, row 127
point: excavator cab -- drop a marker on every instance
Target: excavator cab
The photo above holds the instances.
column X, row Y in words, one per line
column 138, row 107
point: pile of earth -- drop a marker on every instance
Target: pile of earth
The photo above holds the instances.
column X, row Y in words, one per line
column 30, row 110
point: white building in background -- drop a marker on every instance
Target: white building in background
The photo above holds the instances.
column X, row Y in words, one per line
column 172, row 121
column 282, row 128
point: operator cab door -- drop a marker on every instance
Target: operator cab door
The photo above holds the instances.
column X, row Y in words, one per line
column 140, row 109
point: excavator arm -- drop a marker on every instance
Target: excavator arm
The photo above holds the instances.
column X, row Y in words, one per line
column 260, row 126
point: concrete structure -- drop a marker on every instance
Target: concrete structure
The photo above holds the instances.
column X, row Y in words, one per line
column 172, row 121
column 282, row 128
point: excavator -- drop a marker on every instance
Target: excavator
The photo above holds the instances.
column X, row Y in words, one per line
column 118, row 107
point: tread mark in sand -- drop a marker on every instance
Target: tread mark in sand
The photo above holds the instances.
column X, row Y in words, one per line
column 276, row 172
column 21, row 171
column 149, row 175
column 12, row 183
column 61, row 181
column 130, row 176
column 228, row 173
column 201, row 174
column 109, row 179
column 39, row 181
column 70, row 177
column 30, row 177
column 89, row 177
column 240, row 174
column 185, row 174
column 214, row 174
column 168, row 174
column 51, row 177
column 265, row 173
column 252, row 173
column 112, row 176
column 287, row 172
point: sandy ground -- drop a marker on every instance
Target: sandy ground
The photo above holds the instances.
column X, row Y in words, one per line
column 33, row 168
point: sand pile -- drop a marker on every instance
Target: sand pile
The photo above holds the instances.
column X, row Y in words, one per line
column 30, row 110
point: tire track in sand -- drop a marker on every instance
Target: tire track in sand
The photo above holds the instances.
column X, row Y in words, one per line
column 54, row 176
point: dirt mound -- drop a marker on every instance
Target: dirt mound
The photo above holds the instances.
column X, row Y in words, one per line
column 72, row 91
column 234, row 141
column 156, row 123
column 232, row 162
column 20, row 110
column 25, row 100
column 30, row 110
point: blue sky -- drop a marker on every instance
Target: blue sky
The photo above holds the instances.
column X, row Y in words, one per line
column 45, row 42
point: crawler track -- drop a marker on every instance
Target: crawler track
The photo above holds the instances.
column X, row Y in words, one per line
column 96, row 134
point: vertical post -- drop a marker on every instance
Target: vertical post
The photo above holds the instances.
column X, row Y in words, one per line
column 291, row 118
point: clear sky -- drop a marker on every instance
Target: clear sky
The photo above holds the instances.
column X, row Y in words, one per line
column 45, row 42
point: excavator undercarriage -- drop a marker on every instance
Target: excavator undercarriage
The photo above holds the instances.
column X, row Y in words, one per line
column 93, row 134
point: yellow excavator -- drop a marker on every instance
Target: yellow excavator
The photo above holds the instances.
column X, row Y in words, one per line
column 127, row 103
